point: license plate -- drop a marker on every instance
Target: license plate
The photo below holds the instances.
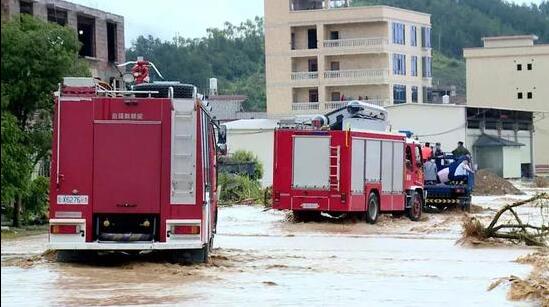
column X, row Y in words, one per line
column 309, row 206
column 72, row 199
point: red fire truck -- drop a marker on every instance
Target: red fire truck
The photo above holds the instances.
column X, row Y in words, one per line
column 346, row 163
column 133, row 170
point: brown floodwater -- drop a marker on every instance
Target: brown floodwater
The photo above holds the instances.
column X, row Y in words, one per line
column 261, row 258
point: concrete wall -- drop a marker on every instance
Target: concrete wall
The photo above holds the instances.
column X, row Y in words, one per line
column 431, row 123
column 260, row 142
column 541, row 142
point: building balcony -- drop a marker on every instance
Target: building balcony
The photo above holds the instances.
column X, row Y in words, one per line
column 333, row 105
column 305, row 107
column 357, row 44
column 359, row 76
column 304, row 75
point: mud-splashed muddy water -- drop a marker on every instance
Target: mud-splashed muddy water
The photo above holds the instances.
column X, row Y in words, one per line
column 261, row 258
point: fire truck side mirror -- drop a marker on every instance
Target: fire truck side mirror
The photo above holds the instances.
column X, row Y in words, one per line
column 222, row 135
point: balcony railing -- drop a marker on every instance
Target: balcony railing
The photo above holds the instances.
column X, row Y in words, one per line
column 332, row 105
column 305, row 75
column 371, row 75
column 305, row 106
column 356, row 43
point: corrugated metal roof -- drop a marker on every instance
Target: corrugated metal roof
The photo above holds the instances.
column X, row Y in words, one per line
column 486, row 140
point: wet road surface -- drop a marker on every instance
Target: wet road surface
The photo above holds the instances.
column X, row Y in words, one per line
column 261, row 258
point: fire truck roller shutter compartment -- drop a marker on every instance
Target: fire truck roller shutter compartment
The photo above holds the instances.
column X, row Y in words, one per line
column 386, row 167
column 311, row 162
column 398, row 167
column 357, row 167
column 373, row 161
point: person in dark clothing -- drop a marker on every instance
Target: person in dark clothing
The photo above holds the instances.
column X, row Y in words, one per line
column 460, row 151
column 439, row 156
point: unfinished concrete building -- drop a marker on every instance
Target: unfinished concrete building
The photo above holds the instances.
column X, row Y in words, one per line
column 101, row 33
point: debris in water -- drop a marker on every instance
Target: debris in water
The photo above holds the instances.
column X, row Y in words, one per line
column 270, row 283
column 535, row 286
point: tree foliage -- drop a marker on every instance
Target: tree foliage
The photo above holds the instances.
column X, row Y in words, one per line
column 35, row 57
column 459, row 24
column 233, row 54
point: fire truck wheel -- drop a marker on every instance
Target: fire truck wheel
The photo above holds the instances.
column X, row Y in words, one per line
column 414, row 212
column 372, row 212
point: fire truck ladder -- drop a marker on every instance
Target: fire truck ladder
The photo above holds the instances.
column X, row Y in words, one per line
column 335, row 158
column 183, row 159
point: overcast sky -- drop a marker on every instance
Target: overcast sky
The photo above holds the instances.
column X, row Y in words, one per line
column 188, row 18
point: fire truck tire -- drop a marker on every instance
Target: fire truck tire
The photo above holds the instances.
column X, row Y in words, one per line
column 372, row 210
column 414, row 212
column 73, row 256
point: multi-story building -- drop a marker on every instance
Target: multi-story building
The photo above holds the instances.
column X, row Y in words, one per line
column 510, row 73
column 101, row 33
column 321, row 53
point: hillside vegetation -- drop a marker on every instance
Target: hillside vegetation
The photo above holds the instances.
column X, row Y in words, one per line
column 235, row 53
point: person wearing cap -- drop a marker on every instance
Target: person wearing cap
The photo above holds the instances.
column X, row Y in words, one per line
column 459, row 170
column 460, row 151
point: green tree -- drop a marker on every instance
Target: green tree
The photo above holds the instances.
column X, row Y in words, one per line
column 35, row 57
column 233, row 54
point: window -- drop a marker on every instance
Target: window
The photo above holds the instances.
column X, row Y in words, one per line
column 292, row 43
column 111, row 42
column 86, row 35
column 399, row 36
column 425, row 37
column 414, row 94
column 399, row 64
column 313, row 65
column 334, row 65
column 334, row 35
column 519, row 95
column 529, row 95
column 427, row 95
column 529, row 66
column 413, row 69
column 427, row 66
column 57, row 16
column 519, row 67
column 25, row 7
column 313, row 95
column 336, row 96
column 399, row 94
column 413, row 36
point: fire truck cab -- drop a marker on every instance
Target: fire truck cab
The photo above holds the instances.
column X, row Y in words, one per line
column 133, row 170
column 346, row 163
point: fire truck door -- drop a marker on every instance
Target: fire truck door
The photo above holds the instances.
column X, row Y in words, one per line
column 127, row 167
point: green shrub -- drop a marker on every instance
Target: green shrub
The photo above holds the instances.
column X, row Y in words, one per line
column 243, row 156
column 36, row 201
column 238, row 189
